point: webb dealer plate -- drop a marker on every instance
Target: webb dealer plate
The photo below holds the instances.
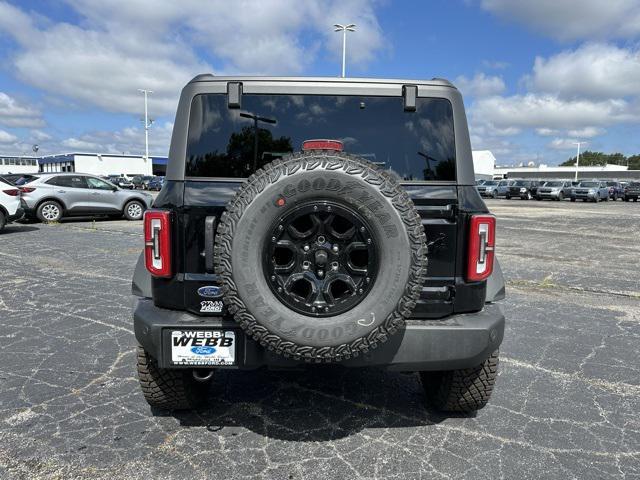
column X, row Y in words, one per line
column 203, row 347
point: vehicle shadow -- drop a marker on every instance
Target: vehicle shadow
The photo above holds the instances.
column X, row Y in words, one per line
column 317, row 404
column 17, row 228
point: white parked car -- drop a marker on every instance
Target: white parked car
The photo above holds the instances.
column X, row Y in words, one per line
column 10, row 205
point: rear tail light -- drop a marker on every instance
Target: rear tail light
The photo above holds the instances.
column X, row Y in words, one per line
column 27, row 189
column 157, row 242
column 323, row 144
column 482, row 238
column 14, row 192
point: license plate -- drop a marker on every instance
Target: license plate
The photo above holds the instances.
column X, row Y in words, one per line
column 203, row 347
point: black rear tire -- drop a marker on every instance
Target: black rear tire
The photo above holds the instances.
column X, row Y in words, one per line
column 465, row 390
column 3, row 221
column 168, row 389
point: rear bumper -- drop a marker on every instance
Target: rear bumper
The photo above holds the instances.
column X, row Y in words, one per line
column 16, row 216
column 458, row 341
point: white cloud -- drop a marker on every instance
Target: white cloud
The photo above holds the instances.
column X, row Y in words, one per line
column 6, row 137
column 572, row 19
column 563, row 144
column 15, row 114
column 40, row 136
column 593, row 70
column 547, row 132
column 587, row 132
column 122, row 45
column 480, row 85
column 128, row 140
column 551, row 112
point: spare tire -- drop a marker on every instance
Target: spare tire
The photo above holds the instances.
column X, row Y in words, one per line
column 322, row 256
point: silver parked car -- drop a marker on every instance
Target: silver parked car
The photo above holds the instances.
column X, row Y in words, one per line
column 555, row 190
column 592, row 191
column 51, row 196
column 488, row 189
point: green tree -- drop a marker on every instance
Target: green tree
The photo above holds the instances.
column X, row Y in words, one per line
column 589, row 158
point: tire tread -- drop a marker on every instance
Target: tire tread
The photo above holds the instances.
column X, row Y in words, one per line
column 464, row 390
column 311, row 160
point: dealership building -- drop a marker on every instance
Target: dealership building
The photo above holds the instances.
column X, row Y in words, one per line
column 14, row 164
column 101, row 164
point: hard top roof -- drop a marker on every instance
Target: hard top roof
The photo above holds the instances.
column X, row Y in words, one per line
column 208, row 77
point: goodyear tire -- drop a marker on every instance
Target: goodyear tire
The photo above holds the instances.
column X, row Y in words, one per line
column 465, row 390
column 168, row 389
column 336, row 188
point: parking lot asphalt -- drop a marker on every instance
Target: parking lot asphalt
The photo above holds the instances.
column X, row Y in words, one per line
column 565, row 406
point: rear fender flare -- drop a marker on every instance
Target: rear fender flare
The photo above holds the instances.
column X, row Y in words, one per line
column 495, row 284
column 141, row 283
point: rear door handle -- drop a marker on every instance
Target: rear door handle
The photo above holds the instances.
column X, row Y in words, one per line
column 209, row 231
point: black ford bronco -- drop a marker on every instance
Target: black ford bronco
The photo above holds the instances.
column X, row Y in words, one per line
column 316, row 220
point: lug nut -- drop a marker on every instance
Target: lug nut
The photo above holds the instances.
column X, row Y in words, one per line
column 273, row 278
column 335, row 249
column 306, row 248
column 367, row 279
column 362, row 229
column 369, row 241
column 321, row 273
column 279, row 289
column 306, row 264
column 313, row 309
column 280, row 227
column 315, row 208
column 273, row 239
column 328, row 208
column 334, row 266
column 360, row 291
column 326, row 309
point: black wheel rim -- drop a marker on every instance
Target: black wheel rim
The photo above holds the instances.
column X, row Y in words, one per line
column 321, row 259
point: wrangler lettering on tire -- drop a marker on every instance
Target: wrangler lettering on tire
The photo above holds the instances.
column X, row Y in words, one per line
column 322, row 256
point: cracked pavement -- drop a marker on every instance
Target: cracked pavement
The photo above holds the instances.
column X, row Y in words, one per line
column 565, row 406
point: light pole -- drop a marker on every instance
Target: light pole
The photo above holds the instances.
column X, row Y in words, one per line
column 147, row 123
column 343, row 28
column 256, row 119
column 577, row 158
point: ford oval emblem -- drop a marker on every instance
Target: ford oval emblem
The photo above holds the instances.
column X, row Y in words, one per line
column 203, row 350
column 210, row 291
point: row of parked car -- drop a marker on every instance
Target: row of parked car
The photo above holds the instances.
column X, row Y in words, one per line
column 585, row 190
column 49, row 197
column 132, row 182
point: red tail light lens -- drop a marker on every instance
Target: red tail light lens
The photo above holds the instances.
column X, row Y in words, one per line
column 14, row 192
column 323, row 144
column 27, row 189
column 157, row 242
column 482, row 238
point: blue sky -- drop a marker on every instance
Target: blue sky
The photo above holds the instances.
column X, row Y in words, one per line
column 536, row 76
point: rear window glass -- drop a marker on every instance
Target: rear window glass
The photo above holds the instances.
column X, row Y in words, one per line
column 413, row 146
column 589, row 184
column 553, row 184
